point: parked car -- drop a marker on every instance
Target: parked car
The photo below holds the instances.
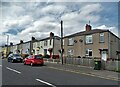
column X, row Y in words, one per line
column 15, row 58
column 34, row 60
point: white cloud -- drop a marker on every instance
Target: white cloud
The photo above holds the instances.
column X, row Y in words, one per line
column 20, row 22
column 112, row 29
column 38, row 19
column 75, row 21
column 54, row 9
column 43, row 25
column 86, row 13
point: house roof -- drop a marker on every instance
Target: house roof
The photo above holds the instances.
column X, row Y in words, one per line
column 56, row 37
column 87, row 32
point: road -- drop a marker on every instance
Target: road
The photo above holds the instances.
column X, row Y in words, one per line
column 19, row 74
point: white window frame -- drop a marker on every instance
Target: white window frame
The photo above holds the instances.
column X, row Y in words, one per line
column 102, row 36
column 89, row 39
column 87, row 52
column 45, row 43
column 70, row 41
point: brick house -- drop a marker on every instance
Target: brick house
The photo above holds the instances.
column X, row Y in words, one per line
column 92, row 43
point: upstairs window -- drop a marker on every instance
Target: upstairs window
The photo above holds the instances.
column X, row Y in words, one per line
column 71, row 41
column 89, row 39
column 45, row 43
column 101, row 37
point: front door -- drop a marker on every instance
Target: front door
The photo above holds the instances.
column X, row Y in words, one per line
column 104, row 55
column 45, row 51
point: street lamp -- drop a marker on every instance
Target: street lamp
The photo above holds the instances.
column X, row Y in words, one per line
column 6, row 42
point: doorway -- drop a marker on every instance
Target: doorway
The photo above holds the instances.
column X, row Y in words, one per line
column 104, row 55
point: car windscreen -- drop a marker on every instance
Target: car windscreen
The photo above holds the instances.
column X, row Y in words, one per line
column 16, row 55
column 38, row 57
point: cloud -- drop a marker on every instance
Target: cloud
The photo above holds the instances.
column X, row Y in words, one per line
column 53, row 9
column 39, row 18
column 112, row 29
column 75, row 21
column 46, row 24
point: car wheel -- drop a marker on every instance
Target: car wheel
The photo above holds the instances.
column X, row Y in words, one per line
column 41, row 64
column 31, row 64
column 24, row 63
column 12, row 61
column 21, row 61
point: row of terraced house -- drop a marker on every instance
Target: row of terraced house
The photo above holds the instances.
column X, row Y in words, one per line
column 97, row 43
column 46, row 46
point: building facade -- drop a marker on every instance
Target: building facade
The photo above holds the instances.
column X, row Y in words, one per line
column 95, row 43
column 26, row 48
column 47, row 46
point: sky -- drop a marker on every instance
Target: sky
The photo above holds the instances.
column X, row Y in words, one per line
column 22, row 20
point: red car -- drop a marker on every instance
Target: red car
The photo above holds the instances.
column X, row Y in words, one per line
column 34, row 60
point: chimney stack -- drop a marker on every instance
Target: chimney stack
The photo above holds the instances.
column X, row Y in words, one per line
column 33, row 38
column 51, row 34
column 21, row 41
column 11, row 44
column 88, row 27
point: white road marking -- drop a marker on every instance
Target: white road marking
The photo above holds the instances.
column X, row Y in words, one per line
column 1, row 65
column 13, row 70
column 46, row 82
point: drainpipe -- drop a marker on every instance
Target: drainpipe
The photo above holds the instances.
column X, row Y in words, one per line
column 53, row 45
column 109, row 44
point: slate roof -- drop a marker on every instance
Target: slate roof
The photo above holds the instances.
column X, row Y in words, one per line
column 87, row 32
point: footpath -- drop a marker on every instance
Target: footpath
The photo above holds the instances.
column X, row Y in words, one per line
column 105, row 74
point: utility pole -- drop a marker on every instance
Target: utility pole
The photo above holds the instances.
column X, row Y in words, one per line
column 62, row 41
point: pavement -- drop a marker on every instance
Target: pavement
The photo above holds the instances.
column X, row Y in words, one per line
column 85, row 70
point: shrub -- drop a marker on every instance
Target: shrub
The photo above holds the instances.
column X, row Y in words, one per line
column 55, row 56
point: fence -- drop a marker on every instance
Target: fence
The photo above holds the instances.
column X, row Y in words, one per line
column 109, row 65
column 112, row 65
column 75, row 61
column 80, row 61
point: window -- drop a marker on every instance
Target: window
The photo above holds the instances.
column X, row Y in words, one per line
column 89, row 39
column 88, row 52
column 70, row 52
column 38, row 57
column 29, row 56
column 101, row 37
column 71, row 41
column 50, row 41
column 45, row 43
